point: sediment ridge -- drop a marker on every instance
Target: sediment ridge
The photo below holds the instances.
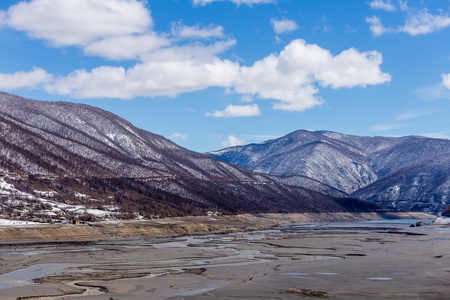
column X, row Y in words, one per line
column 179, row 226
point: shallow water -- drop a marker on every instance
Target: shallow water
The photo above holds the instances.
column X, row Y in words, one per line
column 25, row 276
column 401, row 221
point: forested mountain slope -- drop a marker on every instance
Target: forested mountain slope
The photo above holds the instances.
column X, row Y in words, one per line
column 82, row 155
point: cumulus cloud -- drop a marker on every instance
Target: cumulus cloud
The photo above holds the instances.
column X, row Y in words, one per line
column 237, row 2
column 233, row 111
column 292, row 76
column 78, row 22
column 179, row 136
column 283, row 26
column 446, row 80
column 114, row 29
column 183, row 61
column 232, row 141
column 380, row 4
column 151, row 79
column 352, row 68
column 122, row 30
column 417, row 22
column 22, row 79
column 126, row 46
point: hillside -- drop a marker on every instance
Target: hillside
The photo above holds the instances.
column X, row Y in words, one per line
column 410, row 173
column 65, row 160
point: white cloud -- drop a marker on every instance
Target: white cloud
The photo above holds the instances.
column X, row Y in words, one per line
column 78, row 22
column 168, row 65
column 446, row 80
column 380, row 4
column 291, row 77
column 416, row 23
column 423, row 22
column 232, row 141
column 179, row 136
column 237, row 2
column 376, row 27
column 433, row 92
column 247, row 98
column 197, row 32
column 150, row 79
column 121, row 30
column 126, row 46
column 283, row 26
column 413, row 114
column 403, row 5
column 200, row 52
column 22, row 79
column 114, row 29
column 233, row 111
column 352, row 68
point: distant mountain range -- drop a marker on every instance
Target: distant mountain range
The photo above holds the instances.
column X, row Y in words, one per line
column 408, row 173
column 88, row 158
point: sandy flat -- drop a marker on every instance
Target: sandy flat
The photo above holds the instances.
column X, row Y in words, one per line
column 340, row 260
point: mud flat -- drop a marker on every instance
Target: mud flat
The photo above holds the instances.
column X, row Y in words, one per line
column 340, row 260
column 178, row 226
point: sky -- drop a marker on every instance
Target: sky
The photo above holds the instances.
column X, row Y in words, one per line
column 209, row 74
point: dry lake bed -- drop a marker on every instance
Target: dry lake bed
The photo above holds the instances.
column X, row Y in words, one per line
column 338, row 260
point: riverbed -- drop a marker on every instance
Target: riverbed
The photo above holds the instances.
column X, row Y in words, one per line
column 340, row 260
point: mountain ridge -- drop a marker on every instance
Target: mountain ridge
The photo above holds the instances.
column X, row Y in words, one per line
column 79, row 155
column 411, row 173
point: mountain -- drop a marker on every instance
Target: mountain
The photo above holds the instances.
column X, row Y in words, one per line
column 446, row 212
column 92, row 160
column 410, row 173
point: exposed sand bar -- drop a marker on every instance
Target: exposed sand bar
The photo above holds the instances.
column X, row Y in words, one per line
column 341, row 260
column 180, row 226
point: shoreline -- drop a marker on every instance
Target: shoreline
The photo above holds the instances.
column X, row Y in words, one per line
column 179, row 226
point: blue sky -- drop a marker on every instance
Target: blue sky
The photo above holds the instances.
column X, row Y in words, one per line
column 214, row 73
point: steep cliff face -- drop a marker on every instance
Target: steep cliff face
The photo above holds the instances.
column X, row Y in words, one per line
column 411, row 173
column 82, row 155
